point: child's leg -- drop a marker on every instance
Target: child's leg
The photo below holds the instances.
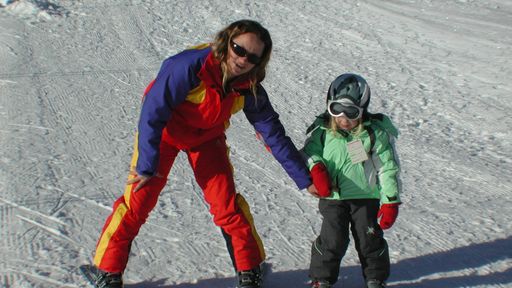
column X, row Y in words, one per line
column 369, row 239
column 330, row 247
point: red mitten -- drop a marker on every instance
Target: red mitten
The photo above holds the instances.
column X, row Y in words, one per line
column 387, row 214
column 321, row 180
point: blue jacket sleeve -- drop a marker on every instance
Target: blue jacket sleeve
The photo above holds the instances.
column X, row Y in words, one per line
column 265, row 120
column 176, row 77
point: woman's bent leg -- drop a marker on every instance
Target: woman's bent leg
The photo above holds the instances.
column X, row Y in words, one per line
column 130, row 211
column 230, row 211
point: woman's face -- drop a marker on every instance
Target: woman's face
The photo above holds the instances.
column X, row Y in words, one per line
column 252, row 45
column 346, row 124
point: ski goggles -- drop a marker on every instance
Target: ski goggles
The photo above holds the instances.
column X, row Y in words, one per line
column 242, row 52
column 345, row 107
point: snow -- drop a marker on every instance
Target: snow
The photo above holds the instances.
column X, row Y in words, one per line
column 72, row 74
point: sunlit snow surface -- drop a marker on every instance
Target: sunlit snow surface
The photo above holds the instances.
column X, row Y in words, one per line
column 71, row 78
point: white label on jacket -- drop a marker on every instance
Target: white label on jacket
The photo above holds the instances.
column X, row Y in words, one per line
column 356, row 151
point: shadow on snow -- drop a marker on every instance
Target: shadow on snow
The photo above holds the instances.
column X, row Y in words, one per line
column 412, row 272
column 473, row 256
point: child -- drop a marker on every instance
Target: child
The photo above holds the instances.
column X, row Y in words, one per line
column 355, row 170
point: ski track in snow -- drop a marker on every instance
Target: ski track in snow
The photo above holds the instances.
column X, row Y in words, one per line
column 71, row 79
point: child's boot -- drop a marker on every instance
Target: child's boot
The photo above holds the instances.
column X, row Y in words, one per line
column 320, row 284
column 373, row 283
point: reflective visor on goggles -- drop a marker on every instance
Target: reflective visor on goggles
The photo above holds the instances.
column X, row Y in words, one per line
column 344, row 107
column 241, row 52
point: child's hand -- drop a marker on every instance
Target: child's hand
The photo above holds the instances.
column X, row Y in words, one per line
column 387, row 215
column 321, row 180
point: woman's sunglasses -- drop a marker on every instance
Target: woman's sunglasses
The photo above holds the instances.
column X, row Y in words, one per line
column 344, row 106
column 241, row 52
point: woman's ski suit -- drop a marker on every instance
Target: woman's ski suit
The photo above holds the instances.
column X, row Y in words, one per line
column 187, row 109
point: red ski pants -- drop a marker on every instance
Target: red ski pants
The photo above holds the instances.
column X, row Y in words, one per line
column 214, row 174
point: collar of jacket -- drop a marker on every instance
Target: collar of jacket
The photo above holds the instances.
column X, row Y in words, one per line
column 211, row 75
column 382, row 121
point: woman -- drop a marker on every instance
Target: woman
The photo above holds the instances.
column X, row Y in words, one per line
column 187, row 108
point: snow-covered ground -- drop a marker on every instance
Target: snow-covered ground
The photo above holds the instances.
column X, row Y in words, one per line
column 71, row 78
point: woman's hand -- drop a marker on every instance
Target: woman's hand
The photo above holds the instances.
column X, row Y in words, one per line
column 142, row 179
column 312, row 190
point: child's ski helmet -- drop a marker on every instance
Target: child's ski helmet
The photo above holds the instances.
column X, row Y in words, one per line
column 350, row 86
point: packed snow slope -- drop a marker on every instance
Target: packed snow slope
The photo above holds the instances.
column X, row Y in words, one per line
column 71, row 78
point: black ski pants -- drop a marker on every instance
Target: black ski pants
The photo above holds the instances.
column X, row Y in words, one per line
column 340, row 217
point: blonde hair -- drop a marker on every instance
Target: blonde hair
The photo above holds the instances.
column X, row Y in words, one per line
column 223, row 40
column 333, row 127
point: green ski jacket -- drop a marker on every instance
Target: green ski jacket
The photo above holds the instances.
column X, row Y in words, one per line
column 374, row 178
